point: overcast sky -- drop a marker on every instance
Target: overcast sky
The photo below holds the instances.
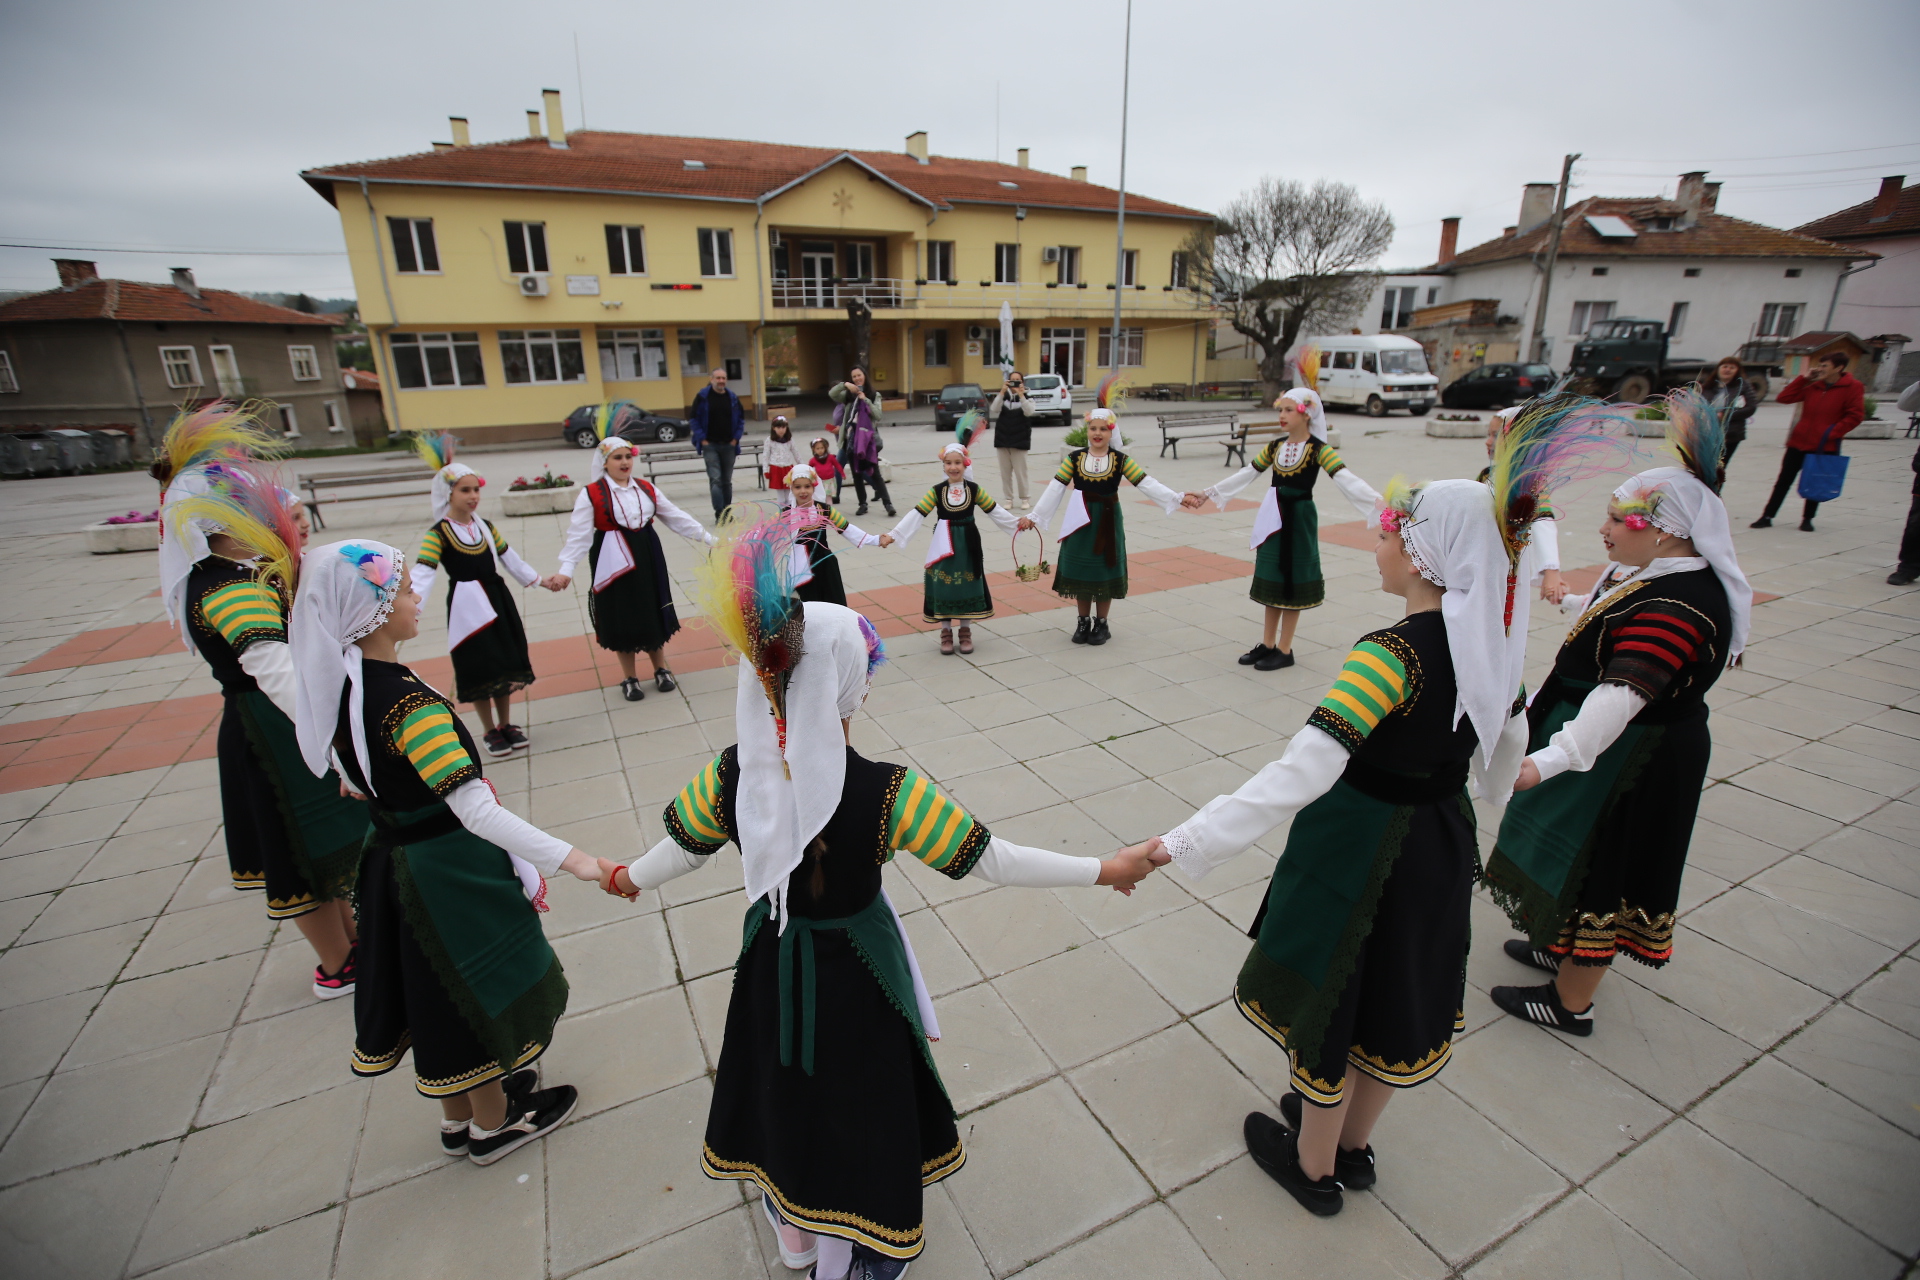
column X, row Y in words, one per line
column 184, row 126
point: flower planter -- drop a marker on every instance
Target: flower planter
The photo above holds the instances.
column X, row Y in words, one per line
column 539, row 502
column 1873, row 429
column 111, row 539
column 1648, row 428
column 1456, row 430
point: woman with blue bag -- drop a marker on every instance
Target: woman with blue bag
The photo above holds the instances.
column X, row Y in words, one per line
column 1832, row 403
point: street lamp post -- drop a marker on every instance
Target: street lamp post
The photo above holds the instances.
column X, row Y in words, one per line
column 1120, row 246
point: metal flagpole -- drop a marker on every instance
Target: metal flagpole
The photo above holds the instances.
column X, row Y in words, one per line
column 1120, row 247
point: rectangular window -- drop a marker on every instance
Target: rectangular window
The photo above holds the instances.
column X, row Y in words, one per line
column 1588, row 314
column 629, row 355
column 289, row 424
column 1130, row 268
column 414, row 251
column 1779, row 319
column 626, row 251
column 1793, row 273
column 10, row 385
column 437, row 360
column 226, row 371
column 716, row 252
column 940, row 260
column 526, row 247
column 1133, row 347
column 937, row 349
column 542, row 355
column 1600, row 271
column 693, row 353
column 182, row 365
column 1177, row 275
column 1396, row 311
column 1677, row 319
column 1433, row 295
column 859, row 260
column 306, row 365
column 1691, row 272
column 1341, row 360
column 1366, row 362
column 1006, row 264
column 332, row 410
column 1069, row 264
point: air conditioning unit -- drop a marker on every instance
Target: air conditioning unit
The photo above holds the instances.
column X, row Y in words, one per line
column 773, row 237
column 976, row 332
column 533, row 286
column 1020, row 333
column 1050, row 254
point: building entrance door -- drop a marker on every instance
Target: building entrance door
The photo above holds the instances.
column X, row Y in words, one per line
column 1064, row 352
column 816, row 275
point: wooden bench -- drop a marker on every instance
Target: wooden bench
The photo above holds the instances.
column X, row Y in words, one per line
column 680, row 459
column 1221, row 428
column 313, row 482
column 1254, row 433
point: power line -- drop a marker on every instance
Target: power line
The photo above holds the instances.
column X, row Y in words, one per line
column 222, row 253
column 1721, row 175
column 1802, row 155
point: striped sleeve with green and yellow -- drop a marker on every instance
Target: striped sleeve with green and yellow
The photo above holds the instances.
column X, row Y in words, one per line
column 1329, row 459
column 931, row 827
column 836, row 517
column 244, row 613
column 1372, row 683
column 1264, row 459
column 697, row 817
column 429, row 741
column 499, row 538
column 926, row 504
column 1132, row 470
column 1065, row 474
column 431, row 548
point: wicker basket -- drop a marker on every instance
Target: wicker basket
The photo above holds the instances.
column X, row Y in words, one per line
column 1031, row 572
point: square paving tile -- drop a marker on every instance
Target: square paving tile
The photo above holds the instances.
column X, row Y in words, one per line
column 1873, row 910
column 82, row 1115
column 81, row 908
column 487, row 1222
column 34, row 1037
column 983, row 1053
column 181, row 938
column 82, row 1223
column 1151, row 1242
column 1893, row 995
column 1191, row 957
column 278, row 1059
column 1817, row 952
column 1013, row 928
column 624, row 1051
column 721, row 1248
column 1879, row 858
column 1084, row 1003
column 1577, row 1228
column 1737, row 994
column 297, row 1250
column 616, row 961
column 943, row 964
column 706, row 935
column 150, row 1013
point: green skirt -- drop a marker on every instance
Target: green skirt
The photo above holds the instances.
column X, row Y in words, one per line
column 1286, row 569
column 324, row 830
column 1082, row 572
column 956, row 587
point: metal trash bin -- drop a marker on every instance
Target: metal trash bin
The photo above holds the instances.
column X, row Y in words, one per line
column 112, row 448
column 27, row 453
column 74, row 448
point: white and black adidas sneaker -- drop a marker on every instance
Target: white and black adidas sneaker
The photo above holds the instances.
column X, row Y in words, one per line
column 1531, row 956
column 1541, row 1004
column 532, row 1115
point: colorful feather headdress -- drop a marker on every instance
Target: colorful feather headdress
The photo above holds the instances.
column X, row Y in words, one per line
column 219, row 430
column 745, row 589
column 972, row 423
column 1306, row 367
column 436, row 449
column 1552, row 441
column 250, row 507
column 1112, row 393
column 1697, row 431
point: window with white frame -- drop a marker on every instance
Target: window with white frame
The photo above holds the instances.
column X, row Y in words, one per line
column 626, row 251
column 693, row 353
column 937, row 349
column 9, row 385
column 306, row 364
column 1588, row 314
column 1069, row 264
column 940, row 260
column 526, row 247
column 1396, row 310
column 1677, row 319
column 1006, row 264
column 1133, row 347
column 1780, row 319
column 542, row 355
column 289, row 424
column 182, row 365
column 226, row 371
column 859, row 260
column 716, row 252
column 631, row 355
column 335, row 420
column 437, row 360
column 414, row 250
column 1177, row 274
column 1130, row 268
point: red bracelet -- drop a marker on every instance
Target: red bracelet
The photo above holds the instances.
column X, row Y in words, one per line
column 613, row 885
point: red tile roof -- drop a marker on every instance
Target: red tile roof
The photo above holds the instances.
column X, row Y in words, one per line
column 1856, row 222
column 359, row 380
column 1715, row 235
column 654, row 164
column 99, row 299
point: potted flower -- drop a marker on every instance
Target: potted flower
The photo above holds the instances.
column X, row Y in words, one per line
column 542, row 494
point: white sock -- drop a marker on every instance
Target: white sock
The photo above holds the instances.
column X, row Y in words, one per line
column 835, row 1260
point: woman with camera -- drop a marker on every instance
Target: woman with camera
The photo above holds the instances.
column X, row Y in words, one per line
column 1012, row 438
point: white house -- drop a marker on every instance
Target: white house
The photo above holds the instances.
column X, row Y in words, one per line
column 1882, row 298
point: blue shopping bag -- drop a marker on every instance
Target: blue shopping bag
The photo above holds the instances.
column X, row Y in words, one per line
column 1822, row 474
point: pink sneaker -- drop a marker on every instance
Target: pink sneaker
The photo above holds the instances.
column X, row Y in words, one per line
column 331, row 986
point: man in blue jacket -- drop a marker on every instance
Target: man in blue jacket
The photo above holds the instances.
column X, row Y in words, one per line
column 719, row 425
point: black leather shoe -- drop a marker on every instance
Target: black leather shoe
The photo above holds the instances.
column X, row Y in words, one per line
column 1082, row 629
column 631, row 690
column 1252, row 655
column 663, row 680
column 1276, row 1149
column 1353, row 1170
column 1273, row 660
column 1806, row 526
column 1902, row 576
column 1099, row 634
column 1764, row 522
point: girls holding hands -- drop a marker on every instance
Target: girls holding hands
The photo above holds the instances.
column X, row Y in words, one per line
column 816, row 567
column 956, row 574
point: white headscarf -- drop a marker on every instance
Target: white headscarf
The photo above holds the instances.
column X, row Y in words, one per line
column 347, row 589
column 1309, row 399
column 1686, row 508
column 801, row 471
column 183, row 544
column 1455, row 542
column 597, row 469
column 955, row 448
column 777, row 816
column 443, row 482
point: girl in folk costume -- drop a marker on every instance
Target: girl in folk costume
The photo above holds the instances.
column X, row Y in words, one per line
column 455, row 964
column 782, row 456
column 287, row 832
column 825, row 467
column 631, row 599
column 956, row 572
column 816, row 566
column 826, row 1097
column 1358, row 967
column 1591, row 851
column 1092, row 568
column 484, row 631
column 1286, row 532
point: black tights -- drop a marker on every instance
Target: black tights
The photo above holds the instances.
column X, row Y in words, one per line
column 1789, row 472
column 860, row 484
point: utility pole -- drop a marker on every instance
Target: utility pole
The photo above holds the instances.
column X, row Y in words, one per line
column 1553, row 253
column 1120, row 250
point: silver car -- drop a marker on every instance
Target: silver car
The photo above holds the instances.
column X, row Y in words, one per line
column 1050, row 394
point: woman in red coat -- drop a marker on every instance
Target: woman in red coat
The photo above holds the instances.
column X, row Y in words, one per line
column 1832, row 402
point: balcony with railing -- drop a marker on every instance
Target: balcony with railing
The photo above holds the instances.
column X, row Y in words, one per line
column 882, row 294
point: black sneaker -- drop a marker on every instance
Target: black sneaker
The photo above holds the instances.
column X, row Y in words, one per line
column 870, row 1265
column 1806, row 526
column 1531, row 956
column 1903, row 576
column 1273, row 660
column 453, row 1137
column 1252, row 655
column 1764, row 522
column 860, row 510
column 532, row 1115
column 497, row 743
column 1351, row 1169
column 1099, row 634
column 1276, row 1149
column 1542, row 1005
column 663, row 680
column 331, row 986
column 516, row 736
column 631, row 690
column 1082, row 629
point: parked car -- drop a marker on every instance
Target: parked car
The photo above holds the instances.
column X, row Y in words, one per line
column 1375, row 372
column 641, row 426
column 955, row 399
column 1495, row 386
column 1050, row 394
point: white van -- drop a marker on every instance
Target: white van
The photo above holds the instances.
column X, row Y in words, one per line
column 1379, row 372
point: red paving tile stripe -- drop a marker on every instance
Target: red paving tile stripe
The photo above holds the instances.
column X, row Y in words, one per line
column 108, row 644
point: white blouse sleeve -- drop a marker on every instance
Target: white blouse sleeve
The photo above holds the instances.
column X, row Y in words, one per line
column 1313, row 762
column 908, row 526
column 1494, row 781
column 579, row 535
column 1603, row 717
column 680, row 522
column 1008, row 522
column 1049, row 503
column 481, row 812
column 1546, row 545
column 1363, row 497
column 1028, row 868
column 1168, row 500
column 270, row 663
column 664, row 862
column 422, row 577
column 523, row 572
column 1223, row 491
column 857, row 536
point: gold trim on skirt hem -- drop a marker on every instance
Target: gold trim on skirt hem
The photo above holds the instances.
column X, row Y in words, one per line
column 834, row 1222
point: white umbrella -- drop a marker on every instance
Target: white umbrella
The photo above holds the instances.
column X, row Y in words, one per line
column 1006, row 339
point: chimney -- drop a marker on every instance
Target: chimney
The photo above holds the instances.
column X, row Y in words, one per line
column 461, row 138
column 1536, row 205
column 917, row 145
column 1691, row 191
column 74, row 272
column 1449, row 239
column 183, row 281
column 556, row 127
column 533, row 124
column 1710, row 197
column 1507, row 233
column 1079, row 173
column 443, row 146
column 1883, row 204
column 1023, row 159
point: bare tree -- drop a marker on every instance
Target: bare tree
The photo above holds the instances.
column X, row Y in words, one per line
column 1285, row 259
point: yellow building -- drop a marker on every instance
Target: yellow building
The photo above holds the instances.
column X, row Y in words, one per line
column 509, row 282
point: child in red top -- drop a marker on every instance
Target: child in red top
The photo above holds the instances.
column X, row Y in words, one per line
column 827, row 467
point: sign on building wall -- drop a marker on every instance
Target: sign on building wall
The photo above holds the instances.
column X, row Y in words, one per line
column 583, row 286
